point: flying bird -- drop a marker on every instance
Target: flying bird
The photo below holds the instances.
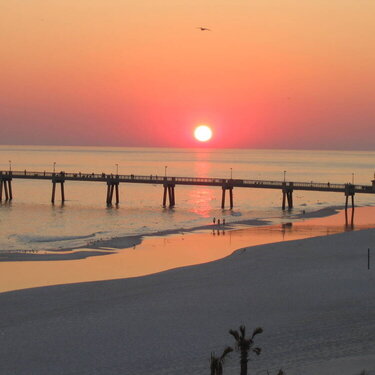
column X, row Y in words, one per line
column 203, row 28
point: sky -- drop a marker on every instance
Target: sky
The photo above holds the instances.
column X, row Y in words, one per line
column 286, row 74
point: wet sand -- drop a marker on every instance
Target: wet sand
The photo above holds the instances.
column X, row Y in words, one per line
column 163, row 252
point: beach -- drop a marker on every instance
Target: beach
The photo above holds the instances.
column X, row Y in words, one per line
column 132, row 256
column 314, row 299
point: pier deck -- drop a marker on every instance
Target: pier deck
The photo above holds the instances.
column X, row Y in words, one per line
column 169, row 183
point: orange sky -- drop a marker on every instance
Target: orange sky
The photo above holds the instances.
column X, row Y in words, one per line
column 270, row 74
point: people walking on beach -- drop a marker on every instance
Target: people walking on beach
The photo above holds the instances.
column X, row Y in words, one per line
column 214, row 220
column 218, row 222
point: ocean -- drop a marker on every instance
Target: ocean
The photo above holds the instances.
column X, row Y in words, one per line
column 31, row 222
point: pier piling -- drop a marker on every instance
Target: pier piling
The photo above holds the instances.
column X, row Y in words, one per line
column 62, row 192
column 112, row 187
column 10, row 189
column 61, row 182
column 117, row 194
column 287, row 195
column 349, row 192
column 223, row 198
column 53, row 191
column 165, row 196
column 223, row 194
column 6, row 190
column 169, row 190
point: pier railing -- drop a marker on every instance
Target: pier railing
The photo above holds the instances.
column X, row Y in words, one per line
column 207, row 181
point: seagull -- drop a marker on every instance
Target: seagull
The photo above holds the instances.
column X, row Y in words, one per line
column 203, row 28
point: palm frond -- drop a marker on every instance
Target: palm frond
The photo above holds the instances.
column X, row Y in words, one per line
column 226, row 351
column 257, row 331
column 257, row 350
column 235, row 334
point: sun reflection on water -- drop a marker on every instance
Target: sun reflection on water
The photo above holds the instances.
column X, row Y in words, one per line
column 200, row 201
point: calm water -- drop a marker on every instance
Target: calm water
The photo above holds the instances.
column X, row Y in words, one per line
column 31, row 222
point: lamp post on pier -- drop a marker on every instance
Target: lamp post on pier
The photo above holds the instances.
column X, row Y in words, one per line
column 10, row 165
column 231, row 174
column 352, row 178
column 54, row 167
column 165, row 170
column 284, row 175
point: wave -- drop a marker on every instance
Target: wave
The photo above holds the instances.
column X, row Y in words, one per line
column 38, row 239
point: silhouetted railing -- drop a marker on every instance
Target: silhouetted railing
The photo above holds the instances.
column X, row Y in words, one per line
column 155, row 179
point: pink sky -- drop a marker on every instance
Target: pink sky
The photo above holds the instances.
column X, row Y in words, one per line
column 270, row 74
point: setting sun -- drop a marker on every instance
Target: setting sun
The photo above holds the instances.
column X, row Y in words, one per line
column 203, row 133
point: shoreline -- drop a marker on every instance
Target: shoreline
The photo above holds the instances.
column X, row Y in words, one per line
column 98, row 247
column 158, row 253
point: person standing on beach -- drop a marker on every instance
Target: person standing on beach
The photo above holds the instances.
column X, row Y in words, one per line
column 223, row 221
column 214, row 220
column 218, row 222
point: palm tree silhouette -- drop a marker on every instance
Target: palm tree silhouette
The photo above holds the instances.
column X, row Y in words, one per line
column 216, row 363
column 245, row 345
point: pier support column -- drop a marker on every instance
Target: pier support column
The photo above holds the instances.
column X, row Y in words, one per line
column 10, row 189
column 165, row 196
column 287, row 197
column 223, row 197
column 61, row 182
column 173, row 196
column 1, row 190
column 6, row 190
column 117, row 194
column 108, row 193
column 169, row 190
column 223, row 194
column 349, row 192
column 111, row 187
column 53, row 191
column 62, row 192
column 170, row 196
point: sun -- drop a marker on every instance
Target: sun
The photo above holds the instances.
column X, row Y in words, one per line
column 203, row 133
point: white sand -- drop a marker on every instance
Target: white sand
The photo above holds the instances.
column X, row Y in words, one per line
column 314, row 298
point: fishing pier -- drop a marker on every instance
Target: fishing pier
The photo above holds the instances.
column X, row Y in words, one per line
column 169, row 184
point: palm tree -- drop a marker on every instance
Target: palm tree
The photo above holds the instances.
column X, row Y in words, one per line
column 217, row 362
column 245, row 345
